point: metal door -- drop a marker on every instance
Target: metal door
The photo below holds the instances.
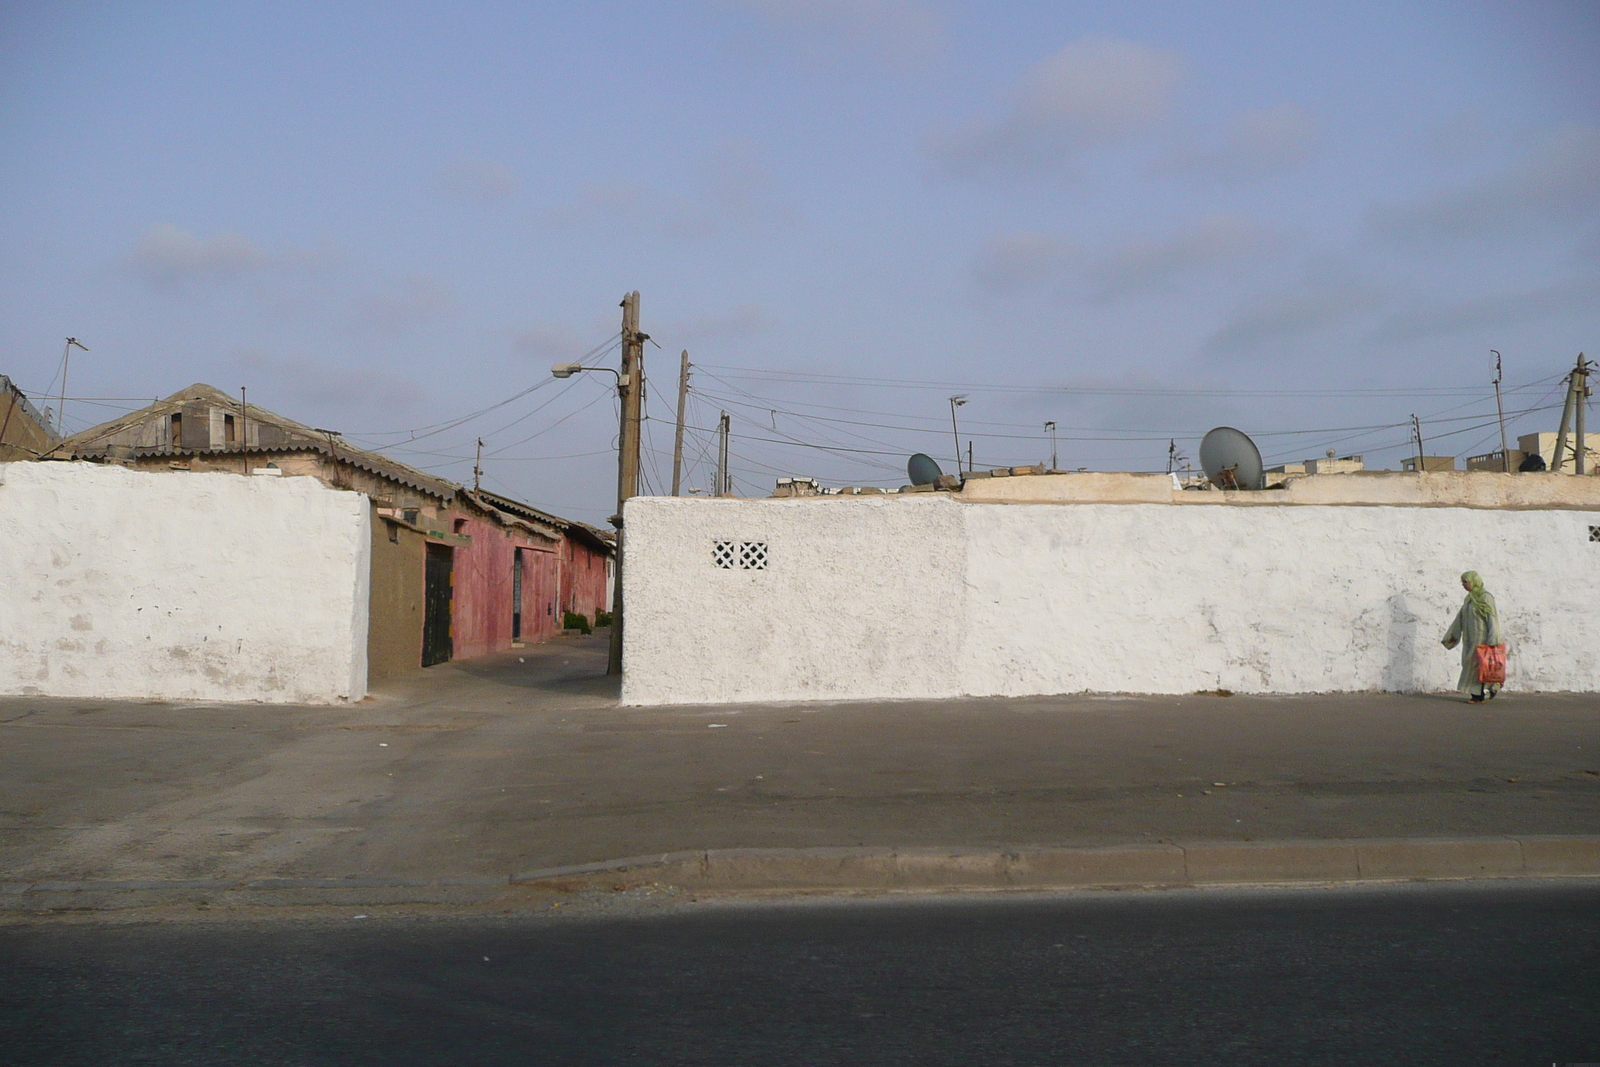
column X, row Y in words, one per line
column 438, row 643
column 516, row 595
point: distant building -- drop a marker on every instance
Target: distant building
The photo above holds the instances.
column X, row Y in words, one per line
column 455, row 573
column 1430, row 463
column 1329, row 464
column 24, row 432
column 1542, row 445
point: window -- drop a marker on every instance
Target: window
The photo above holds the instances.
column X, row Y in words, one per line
column 176, row 423
column 229, row 434
column 461, row 525
column 410, row 515
column 745, row 555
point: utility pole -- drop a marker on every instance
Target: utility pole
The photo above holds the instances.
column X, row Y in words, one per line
column 1580, row 395
column 1416, row 431
column 1172, row 454
column 970, row 467
column 1505, row 451
column 724, row 484
column 477, row 469
column 1052, row 428
column 955, row 402
column 1560, row 456
column 61, row 405
column 630, row 387
column 244, row 432
column 677, row 437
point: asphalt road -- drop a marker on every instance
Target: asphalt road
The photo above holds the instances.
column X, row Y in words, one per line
column 1455, row 974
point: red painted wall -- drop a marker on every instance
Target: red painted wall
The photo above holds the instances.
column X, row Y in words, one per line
column 584, row 585
column 481, row 614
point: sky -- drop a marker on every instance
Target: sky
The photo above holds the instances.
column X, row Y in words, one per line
column 1134, row 220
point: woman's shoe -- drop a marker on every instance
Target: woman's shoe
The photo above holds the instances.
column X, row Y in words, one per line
column 1474, row 700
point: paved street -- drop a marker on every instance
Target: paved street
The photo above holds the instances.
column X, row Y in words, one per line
column 1410, row 975
column 524, row 760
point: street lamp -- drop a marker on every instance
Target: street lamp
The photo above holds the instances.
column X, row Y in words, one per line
column 1050, row 428
column 955, row 402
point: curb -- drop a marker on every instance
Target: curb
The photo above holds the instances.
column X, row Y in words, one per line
column 1177, row 865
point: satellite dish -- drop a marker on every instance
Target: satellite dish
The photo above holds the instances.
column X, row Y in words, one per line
column 923, row 470
column 1231, row 460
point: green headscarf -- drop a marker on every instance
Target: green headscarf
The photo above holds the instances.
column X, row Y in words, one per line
column 1482, row 602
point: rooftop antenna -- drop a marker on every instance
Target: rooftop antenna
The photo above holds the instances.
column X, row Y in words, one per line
column 1231, row 460
column 1050, row 428
column 955, row 402
column 61, row 407
column 1505, row 452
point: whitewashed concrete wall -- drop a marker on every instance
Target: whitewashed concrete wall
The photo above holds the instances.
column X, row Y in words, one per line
column 887, row 597
column 121, row 584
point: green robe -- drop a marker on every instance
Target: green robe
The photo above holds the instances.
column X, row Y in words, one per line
column 1472, row 630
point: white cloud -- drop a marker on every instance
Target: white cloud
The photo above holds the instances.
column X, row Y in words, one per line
column 1095, row 91
column 1255, row 143
column 1019, row 261
column 897, row 30
column 325, row 386
column 167, row 256
column 477, row 181
column 1555, row 186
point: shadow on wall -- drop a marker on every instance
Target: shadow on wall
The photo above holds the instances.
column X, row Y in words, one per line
column 1400, row 673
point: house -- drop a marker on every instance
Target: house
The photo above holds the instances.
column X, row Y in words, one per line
column 24, row 432
column 455, row 573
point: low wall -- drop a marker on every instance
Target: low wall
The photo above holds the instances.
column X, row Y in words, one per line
column 921, row 595
column 123, row 584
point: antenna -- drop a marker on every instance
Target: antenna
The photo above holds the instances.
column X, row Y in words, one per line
column 955, row 402
column 1231, row 460
column 61, row 406
column 1050, row 428
column 923, row 470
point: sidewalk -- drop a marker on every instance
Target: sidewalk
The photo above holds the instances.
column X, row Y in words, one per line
column 477, row 772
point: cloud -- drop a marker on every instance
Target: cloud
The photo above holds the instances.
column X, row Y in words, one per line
column 166, row 256
column 1095, row 91
column 325, row 386
column 1256, row 143
column 1322, row 300
column 476, row 181
column 1015, row 262
column 897, row 30
column 402, row 303
column 1491, row 312
column 740, row 321
column 1556, row 185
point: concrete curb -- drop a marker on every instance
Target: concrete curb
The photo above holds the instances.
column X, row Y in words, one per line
column 1176, row 865
column 1179, row 864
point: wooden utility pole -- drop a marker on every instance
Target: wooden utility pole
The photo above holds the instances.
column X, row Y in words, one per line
column 724, row 479
column 677, row 437
column 1560, row 455
column 1416, row 431
column 1580, row 396
column 477, row 469
column 630, row 387
column 1505, row 451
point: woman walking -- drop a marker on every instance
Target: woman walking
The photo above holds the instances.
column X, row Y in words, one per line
column 1477, row 623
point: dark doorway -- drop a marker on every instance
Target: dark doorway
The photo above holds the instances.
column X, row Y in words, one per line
column 437, row 642
column 516, row 595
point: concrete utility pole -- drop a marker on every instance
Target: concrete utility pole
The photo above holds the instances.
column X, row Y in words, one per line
column 677, row 437
column 1051, row 427
column 724, row 484
column 1416, row 430
column 630, row 387
column 1560, row 456
column 477, row 469
column 244, row 431
column 1505, row 451
column 61, row 405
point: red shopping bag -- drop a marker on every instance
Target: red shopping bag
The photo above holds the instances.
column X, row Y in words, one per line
column 1491, row 664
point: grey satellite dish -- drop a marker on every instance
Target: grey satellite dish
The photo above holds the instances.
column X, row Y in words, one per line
column 922, row 470
column 1231, row 460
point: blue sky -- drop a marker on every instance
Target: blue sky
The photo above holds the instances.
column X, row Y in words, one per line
column 1138, row 220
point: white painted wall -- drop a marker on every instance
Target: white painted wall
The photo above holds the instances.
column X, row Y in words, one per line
column 121, row 584
column 924, row 596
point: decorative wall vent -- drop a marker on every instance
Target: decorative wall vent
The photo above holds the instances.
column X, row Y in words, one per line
column 745, row 555
column 1594, row 533
column 753, row 555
